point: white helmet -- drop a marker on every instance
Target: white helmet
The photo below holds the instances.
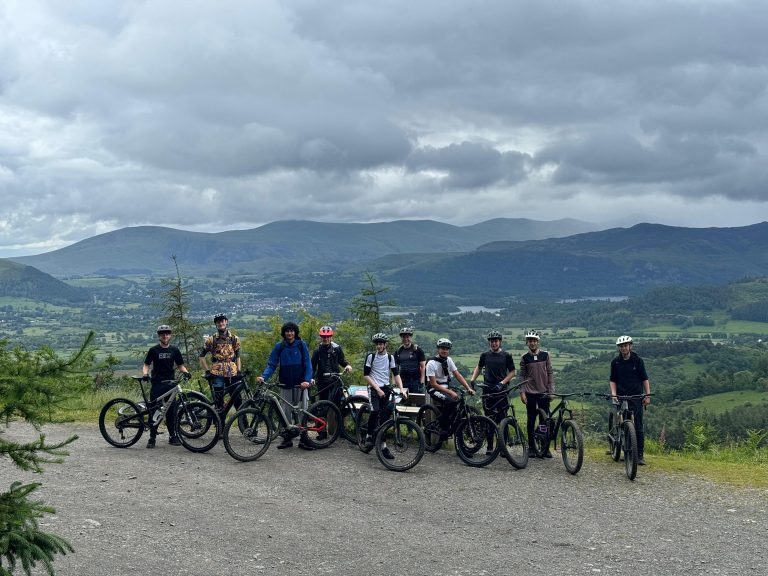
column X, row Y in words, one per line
column 532, row 334
column 444, row 343
column 623, row 340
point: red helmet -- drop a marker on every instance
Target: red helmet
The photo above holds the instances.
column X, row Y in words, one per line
column 326, row 331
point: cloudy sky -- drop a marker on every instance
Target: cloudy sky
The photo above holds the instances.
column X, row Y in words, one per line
column 213, row 115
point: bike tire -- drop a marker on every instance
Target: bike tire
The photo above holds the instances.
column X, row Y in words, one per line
column 362, row 429
column 512, row 442
column 571, row 446
column 270, row 412
column 195, row 396
column 198, row 426
column 121, row 422
column 252, row 441
column 350, row 408
column 471, row 439
column 427, row 419
column 630, row 449
column 614, row 443
column 322, row 433
column 404, row 440
column 541, row 439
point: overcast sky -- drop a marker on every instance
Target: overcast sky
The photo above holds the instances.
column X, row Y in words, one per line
column 214, row 115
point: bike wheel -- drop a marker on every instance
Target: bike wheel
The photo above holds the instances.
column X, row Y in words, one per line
column 250, row 442
column 198, row 426
column 512, row 442
column 361, row 433
column 571, row 446
column 404, row 441
column 614, row 444
column 121, row 422
column 630, row 449
column 323, row 426
column 427, row 419
column 471, row 441
column 350, row 408
column 195, row 396
column 541, row 434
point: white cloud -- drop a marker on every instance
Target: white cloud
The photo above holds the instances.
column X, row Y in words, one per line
column 207, row 116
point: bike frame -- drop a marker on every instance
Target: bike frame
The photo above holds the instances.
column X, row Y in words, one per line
column 297, row 410
column 235, row 390
column 162, row 402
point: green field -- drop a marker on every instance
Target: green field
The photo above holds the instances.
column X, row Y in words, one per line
column 719, row 403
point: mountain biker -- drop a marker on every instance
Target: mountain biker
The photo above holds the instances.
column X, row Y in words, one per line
column 628, row 378
column 162, row 358
column 536, row 372
column 379, row 365
column 439, row 371
column 328, row 357
column 224, row 348
column 291, row 355
column 498, row 369
column 411, row 360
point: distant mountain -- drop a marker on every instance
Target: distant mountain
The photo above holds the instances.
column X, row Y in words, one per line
column 620, row 261
column 27, row 282
column 295, row 246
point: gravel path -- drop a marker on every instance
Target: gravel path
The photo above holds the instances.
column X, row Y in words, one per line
column 168, row 511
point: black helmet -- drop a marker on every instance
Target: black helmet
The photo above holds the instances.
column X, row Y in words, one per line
column 164, row 328
column 289, row 326
column 220, row 316
column 495, row 335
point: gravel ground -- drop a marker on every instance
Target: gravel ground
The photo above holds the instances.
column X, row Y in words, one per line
column 168, row 511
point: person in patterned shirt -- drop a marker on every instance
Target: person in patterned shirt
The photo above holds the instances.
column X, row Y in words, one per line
column 224, row 348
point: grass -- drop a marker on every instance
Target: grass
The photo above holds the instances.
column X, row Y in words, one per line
column 719, row 403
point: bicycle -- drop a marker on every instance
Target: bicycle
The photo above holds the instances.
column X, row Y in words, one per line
column 400, row 436
column 197, row 423
column 239, row 392
column 349, row 405
column 571, row 439
column 317, row 425
column 622, row 436
column 509, row 435
column 470, row 431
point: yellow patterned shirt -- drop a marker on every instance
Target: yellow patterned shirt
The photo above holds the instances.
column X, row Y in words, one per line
column 223, row 349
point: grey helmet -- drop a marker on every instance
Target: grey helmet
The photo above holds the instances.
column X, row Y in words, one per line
column 494, row 335
column 164, row 328
column 444, row 343
column 379, row 337
column 406, row 330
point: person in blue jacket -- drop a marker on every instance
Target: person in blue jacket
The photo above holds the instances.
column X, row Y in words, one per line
column 291, row 360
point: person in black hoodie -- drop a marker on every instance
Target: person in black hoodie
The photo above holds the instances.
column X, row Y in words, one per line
column 629, row 378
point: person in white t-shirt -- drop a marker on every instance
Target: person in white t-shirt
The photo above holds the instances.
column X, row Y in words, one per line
column 379, row 365
column 440, row 369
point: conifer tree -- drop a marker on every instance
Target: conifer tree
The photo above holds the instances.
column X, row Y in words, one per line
column 32, row 384
column 174, row 308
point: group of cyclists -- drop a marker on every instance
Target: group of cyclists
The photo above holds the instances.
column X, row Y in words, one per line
column 407, row 369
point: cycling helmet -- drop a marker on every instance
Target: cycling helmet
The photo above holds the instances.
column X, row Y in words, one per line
column 326, row 331
column 495, row 335
column 164, row 328
column 406, row 330
column 220, row 316
column 623, row 340
column 444, row 343
column 532, row 334
column 379, row 337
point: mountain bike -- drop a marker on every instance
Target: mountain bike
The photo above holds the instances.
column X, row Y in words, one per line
column 122, row 421
column 622, row 436
column 399, row 441
column 571, row 439
column 469, row 429
column 318, row 425
column 349, row 405
column 239, row 391
column 509, row 435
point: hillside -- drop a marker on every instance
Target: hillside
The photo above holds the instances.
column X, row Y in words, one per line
column 619, row 261
column 18, row 280
column 296, row 246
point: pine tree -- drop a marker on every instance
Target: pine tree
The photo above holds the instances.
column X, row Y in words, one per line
column 366, row 308
column 31, row 385
column 174, row 308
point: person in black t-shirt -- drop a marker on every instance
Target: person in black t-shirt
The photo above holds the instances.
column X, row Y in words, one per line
column 163, row 358
column 412, row 361
column 498, row 369
column 629, row 378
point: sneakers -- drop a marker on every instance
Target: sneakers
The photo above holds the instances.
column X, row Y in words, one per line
column 303, row 446
column 547, row 454
column 151, row 443
column 640, row 461
column 369, row 441
column 286, row 443
column 531, row 452
column 174, row 441
column 386, row 453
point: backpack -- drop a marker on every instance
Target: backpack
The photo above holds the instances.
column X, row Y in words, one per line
column 444, row 363
column 371, row 355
